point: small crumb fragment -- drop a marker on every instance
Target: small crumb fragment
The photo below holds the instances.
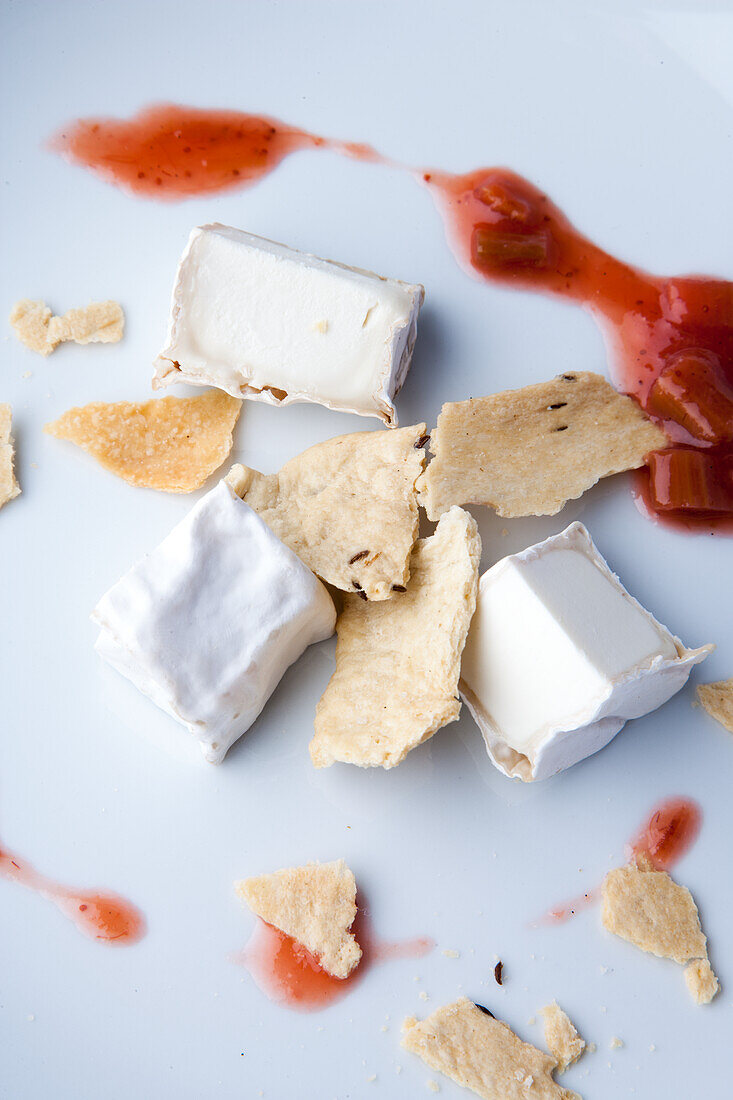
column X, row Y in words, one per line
column 28, row 374
column 320, row 326
column 701, row 981
column 41, row 331
column 616, row 1043
column 31, row 1018
column 591, row 1048
column 9, row 488
column 450, row 954
column 652, row 1048
column 384, row 1028
column 717, row 699
column 423, row 995
column 372, row 1079
column 433, row 1086
column 531, row 1021
column 561, row 1036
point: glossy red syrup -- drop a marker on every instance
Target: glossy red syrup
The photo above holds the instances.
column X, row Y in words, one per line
column 668, row 833
column 670, row 339
column 171, row 152
column 290, row 975
column 107, row 918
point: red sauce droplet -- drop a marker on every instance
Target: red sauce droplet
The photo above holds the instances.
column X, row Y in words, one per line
column 669, row 832
column 171, row 152
column 670, row 340
column 104, row 917
column 289, row 974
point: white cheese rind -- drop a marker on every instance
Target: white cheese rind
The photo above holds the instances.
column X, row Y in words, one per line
column 267, row 322
column 560, row 656
column 207, row 623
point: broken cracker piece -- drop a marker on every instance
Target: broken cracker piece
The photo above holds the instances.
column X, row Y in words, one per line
column 561, row 1036
column 650, row 910
column 482, row 1054
column 9, row 487
column 315, row 905
column 527, row 452
column 346, row 507
column 398, row 662
column 717, row 699
column 41, row 331
column 172, row 444
column 701, row 981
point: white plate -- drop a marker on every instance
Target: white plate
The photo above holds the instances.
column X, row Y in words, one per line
column 624, row 116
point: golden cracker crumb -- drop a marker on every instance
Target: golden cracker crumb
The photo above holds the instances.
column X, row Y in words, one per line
column 172, row 444
column 701, row 981
column 9, row 488
column 561, row 1037
column 41, row 331
column 717, row 699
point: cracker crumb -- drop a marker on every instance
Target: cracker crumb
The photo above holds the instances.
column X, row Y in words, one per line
column 9, row 488
column 347, row 507
column 172, row 444
column 652, row 1048
column 717, row 699
column 591, row 1048
column 561, row 1037
column 423, row 995
column 398, row 661
column 315, row 904
column 531, row 1021
column 320, row 326
column 384, row 1028
column 569, row 432
column 450, row 954
column 481, row 1053
column 650, row 910
column 27, row 374
column 30, row 1018
column 372, row 1079
column 433, row 1086
column 41, row 331
column 616, row 1043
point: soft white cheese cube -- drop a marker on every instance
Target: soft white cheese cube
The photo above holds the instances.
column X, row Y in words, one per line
column 207, row 623
column 263, row 321
column 559, row 656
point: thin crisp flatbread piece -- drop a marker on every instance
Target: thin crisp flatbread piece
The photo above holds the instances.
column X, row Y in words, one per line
column 9, row 488
column 347, row 507
column 315, row 904
column 482, row 1054
column 561, row 1036
column 651, row 911
column 41, row 331
column 398, row 662
column 172, row 444
column 527, row 452
column 717, row 699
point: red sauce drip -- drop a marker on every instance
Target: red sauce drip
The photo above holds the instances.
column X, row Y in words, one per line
column 669, row 832
column 104, row 917
column 170, row 152
column 670, row 339
column 290, row 975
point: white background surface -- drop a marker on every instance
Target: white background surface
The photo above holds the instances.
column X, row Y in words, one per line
column 623, row 113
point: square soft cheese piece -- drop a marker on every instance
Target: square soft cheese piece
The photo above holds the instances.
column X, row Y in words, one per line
column 559, row 656
column 207, row 623
column 264, row 321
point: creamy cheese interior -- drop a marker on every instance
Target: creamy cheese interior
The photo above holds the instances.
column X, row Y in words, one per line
column 252, row 315
column 552, row 633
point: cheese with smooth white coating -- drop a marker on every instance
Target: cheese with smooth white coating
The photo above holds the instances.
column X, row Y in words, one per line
column 267, row 322
column 207, row 623
column 559, row 656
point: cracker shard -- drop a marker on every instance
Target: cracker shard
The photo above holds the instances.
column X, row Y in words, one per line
column 172, row 444
column 37, row 327
column 527, row 452
column 346, row 507
column 561, row 1037
column 650, row 910
column 315, row 904
column 482, row 1054
column 717, row 699
column 9, row 487
column 701, row 981
column 398, row 662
